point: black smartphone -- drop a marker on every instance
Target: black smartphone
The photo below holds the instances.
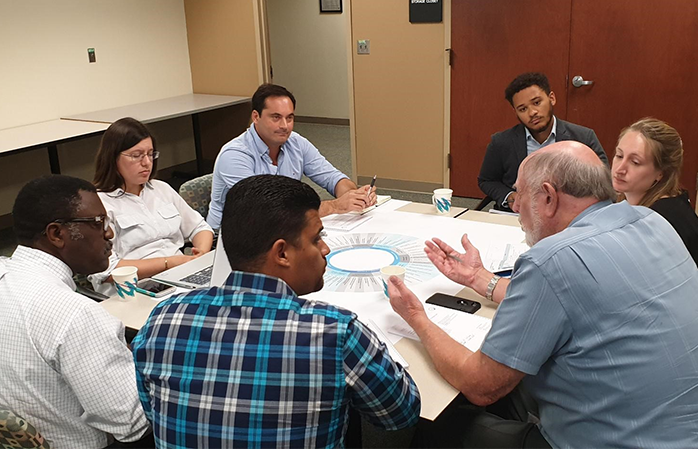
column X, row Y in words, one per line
column 454, row 302
column 153, row 288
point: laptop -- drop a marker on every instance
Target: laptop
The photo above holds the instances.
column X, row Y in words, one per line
column 211, row 269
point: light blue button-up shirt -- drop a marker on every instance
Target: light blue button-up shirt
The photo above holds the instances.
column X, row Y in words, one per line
column 247, row 155
column 533, row 145
column 603, row 317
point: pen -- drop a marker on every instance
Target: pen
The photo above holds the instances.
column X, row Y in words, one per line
column 145, row 292
column 175, row 284
column 373, row 183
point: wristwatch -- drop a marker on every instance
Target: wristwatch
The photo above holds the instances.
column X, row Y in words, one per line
column 491, row 286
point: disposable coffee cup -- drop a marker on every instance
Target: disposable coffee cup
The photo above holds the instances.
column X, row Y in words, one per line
column 441, row 199
column 125, row 279
column 391, row 270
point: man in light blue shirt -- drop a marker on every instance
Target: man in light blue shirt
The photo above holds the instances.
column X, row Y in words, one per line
column 599, row 321
column 270, row 147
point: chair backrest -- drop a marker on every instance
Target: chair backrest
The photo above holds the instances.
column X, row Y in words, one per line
column 197, row 193
column 16, row 432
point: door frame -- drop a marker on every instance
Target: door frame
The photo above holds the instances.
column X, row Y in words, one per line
column 447, row 94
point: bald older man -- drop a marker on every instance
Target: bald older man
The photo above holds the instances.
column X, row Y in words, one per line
column 599, row 321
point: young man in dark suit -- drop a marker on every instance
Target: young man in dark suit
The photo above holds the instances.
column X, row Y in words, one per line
column 533, row 101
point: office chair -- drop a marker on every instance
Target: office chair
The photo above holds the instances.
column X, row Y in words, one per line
column 485, row 201
column 197, row 193
column 16, row 432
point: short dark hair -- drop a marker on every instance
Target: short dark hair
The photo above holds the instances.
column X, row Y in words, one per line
column 269, row 90
column 120, row 136
column 258, row 211
column 524, row 81
column 43, row 201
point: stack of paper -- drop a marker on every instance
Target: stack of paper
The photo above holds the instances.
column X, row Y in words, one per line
column 344, row 222
column 467, row 329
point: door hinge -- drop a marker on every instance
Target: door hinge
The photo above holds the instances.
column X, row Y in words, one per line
column 450, row 56
column 448, row 161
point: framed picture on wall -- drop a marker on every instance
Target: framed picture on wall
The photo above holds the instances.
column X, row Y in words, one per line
column 331, row 6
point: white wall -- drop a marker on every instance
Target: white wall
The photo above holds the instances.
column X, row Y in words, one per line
column 141, row 49
column 142, row 55
column 309, row 56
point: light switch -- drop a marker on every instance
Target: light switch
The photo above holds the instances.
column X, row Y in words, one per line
column 363, row 47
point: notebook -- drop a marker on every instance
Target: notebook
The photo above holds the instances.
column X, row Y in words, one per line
column 380, row 199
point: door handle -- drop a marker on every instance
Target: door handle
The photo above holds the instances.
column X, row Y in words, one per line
column 578, row 81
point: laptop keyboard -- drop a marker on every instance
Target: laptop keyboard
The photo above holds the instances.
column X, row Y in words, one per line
column 201, row 277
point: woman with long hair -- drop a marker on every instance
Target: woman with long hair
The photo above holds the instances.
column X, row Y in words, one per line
column 646, row 170
column 151, row 222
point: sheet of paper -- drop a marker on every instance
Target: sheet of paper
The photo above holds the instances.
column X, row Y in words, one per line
column 467, row 329
column 500, row 256
column 503, row 212
column 344, row 222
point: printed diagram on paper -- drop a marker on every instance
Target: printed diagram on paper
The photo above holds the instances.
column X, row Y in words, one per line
column 468, row 330
column 499, row 256
column 355, row 260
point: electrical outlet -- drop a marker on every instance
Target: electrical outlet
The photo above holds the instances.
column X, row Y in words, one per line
column 363, row 47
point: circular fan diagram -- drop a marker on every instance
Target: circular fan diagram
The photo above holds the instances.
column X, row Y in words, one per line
column 355, row 260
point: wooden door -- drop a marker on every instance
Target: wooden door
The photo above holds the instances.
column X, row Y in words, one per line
column 642, row 56
column 492, row 42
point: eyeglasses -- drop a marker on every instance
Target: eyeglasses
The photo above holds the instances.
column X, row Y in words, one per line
column 138, row 157
column 103, row 219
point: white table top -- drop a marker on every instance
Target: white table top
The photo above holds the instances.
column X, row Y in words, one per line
column 44, row 133
column 430, row 209
column 491, row 217
column 167, row 108
column 436, row 392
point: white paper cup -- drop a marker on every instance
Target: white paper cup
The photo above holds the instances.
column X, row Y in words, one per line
column 391, row 270
column 441, row 199
column 125, row 279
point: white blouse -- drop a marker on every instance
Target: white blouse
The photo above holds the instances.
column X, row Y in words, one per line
column 155, row 223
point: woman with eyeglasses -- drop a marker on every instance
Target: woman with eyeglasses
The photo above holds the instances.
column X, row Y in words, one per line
column 151, row 222
column 646, row 170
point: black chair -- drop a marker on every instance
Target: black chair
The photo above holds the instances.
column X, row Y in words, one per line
column 485, row 201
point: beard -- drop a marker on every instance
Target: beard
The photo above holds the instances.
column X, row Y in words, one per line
column 535, row 234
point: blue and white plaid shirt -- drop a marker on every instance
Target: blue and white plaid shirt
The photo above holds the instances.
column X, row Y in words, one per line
column 251, row 364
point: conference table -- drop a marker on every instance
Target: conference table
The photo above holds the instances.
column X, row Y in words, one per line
column 165, row 109
column 51, row 133
column 393, row 221
column 47, row 135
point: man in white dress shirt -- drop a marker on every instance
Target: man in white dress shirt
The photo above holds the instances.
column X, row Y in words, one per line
column 65, row 367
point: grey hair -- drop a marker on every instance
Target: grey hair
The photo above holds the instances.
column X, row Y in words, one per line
column 569, row 175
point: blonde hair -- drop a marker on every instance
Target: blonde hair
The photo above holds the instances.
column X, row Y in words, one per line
column 666, row 148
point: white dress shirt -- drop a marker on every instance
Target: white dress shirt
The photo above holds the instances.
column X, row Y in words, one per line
column 155, row 223
column 65, row 366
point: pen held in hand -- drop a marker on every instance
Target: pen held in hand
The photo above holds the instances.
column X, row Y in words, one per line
column 368, row 194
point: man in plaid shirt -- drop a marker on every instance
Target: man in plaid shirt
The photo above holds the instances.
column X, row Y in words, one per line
column 252, row 364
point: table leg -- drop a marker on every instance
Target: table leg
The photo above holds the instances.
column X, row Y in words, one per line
column 197, row 144
column 53, row 159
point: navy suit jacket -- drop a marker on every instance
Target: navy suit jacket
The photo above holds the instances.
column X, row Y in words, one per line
column 507, row 150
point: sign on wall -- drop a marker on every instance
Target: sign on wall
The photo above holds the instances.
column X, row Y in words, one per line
column 426, row 11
